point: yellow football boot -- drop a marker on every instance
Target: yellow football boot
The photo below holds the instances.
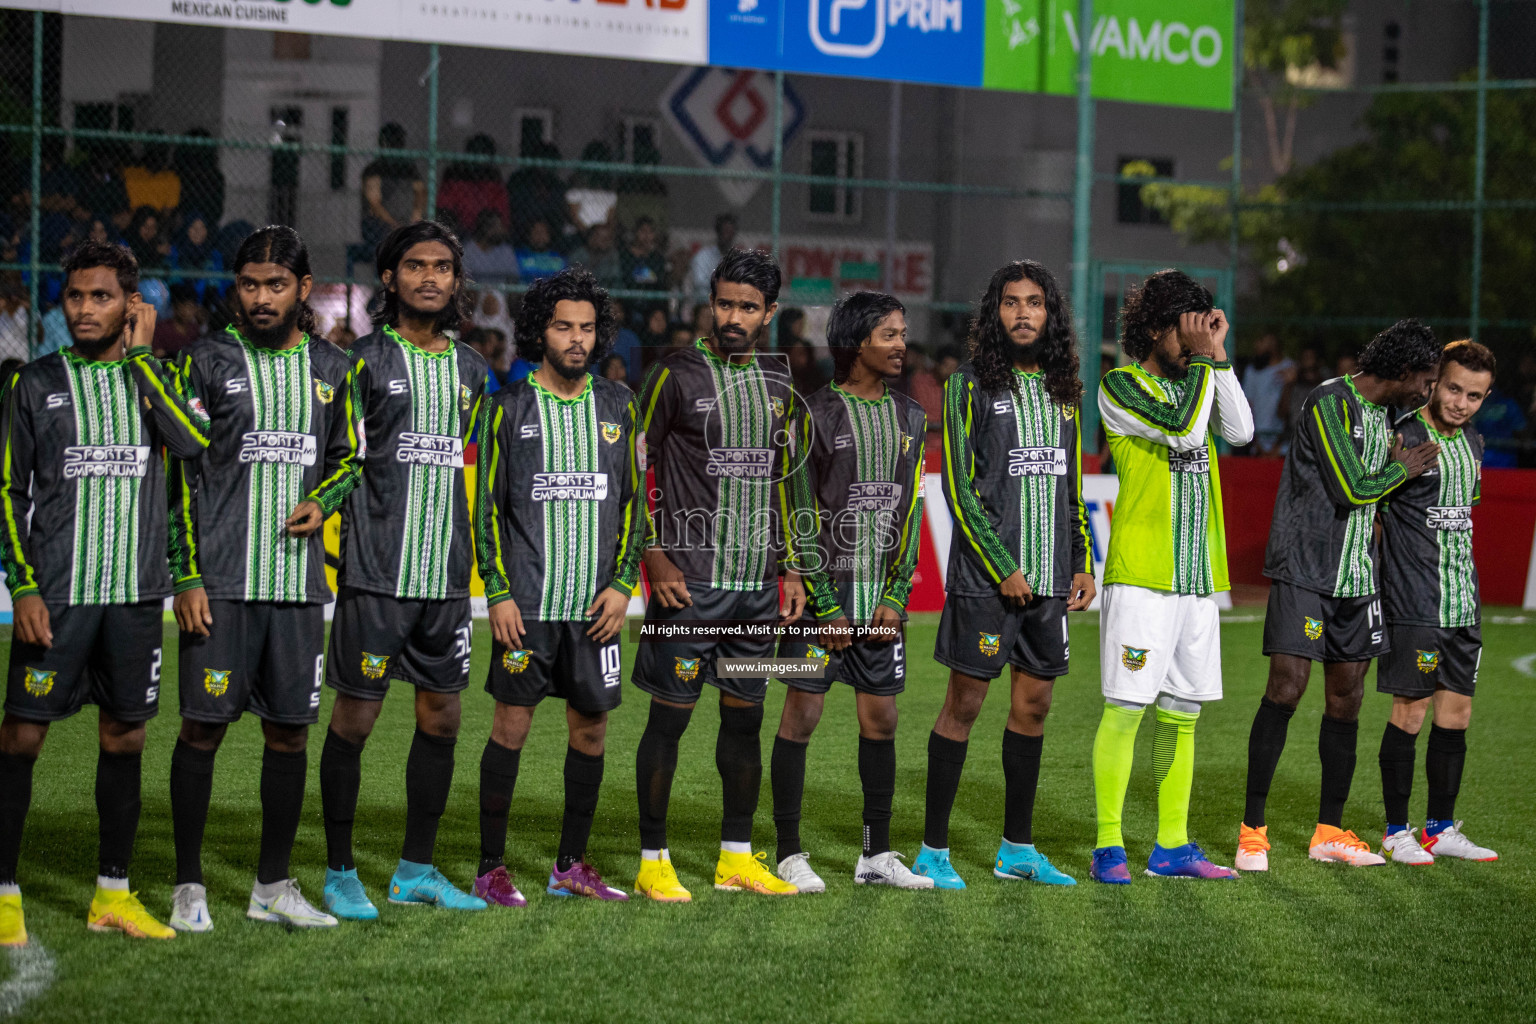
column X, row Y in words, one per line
column 748, row 872
column 658, row 881
column 13, row 927
column 120, row 910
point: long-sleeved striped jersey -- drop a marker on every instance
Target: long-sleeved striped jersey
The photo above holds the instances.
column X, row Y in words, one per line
column 283, row 428
column 863, row 474
column 1013, row 477
column 719, row 436
column 405, row 529
column 81, row 443
column 560, row 506
column 1169, row 533
column 1321, row 538
column 1428, row 576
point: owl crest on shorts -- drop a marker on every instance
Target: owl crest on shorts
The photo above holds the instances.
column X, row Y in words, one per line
column 1134, row 658
column 38, row 682
column 1312, row 627
column 686, row 668
column 1428, row 661
column 818, row 654
column 515, row 661
column 375, row 665
column 988, row 643
column 216, row 681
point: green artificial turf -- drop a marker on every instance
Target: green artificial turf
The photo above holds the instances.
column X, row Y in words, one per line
column 1306, row 942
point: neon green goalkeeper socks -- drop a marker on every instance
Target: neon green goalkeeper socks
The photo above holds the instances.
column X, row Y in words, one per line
column 1173, row 766
column 1113, row 749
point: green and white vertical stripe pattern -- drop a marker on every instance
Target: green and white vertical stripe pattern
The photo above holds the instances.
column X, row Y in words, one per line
column 570, row 432
column 106, row 555
column 877, row 447
column 276, row 564
column 1189, row 499
column 1357, row 576
column 744, row 504
column 1039, row 426
column 1458, row 483
column 429, row 503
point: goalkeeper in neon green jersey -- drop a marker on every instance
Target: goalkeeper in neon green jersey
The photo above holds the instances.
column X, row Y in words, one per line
column 1160, row 635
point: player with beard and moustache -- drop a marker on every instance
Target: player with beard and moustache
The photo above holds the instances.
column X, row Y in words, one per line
column 862, row 476
column 1430, row 592
column 248, row 560
column 1160, row 630
column 81, row 433
column 560, row 511
column 1020, row 559
column 1324, row 604
column 402, row 610
column 717, row 420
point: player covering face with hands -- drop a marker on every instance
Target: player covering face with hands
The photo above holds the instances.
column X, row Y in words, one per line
column 81, row 432
column 1160, row 634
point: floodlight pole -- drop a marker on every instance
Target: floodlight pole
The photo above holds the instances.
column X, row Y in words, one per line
column 778, row 160
column 1082, row 211
column 34, row 257
column 1480, row 170
column 1234, row 239
column 892, row 172
column 432, row 134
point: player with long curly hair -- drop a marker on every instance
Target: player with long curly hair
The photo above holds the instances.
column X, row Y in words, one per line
column 1020, row 558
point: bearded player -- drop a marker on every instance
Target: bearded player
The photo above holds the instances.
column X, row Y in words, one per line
column 561, row 517
column 1324, row 604
column 1429, row 583
column 716, row 418
column 402, row 611
column 1160, row 631
column 81, row 433
column 248, row 561
column 863, row 475
column 1020, row 558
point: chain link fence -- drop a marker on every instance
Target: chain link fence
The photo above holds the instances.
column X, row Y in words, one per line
column 1394, row 177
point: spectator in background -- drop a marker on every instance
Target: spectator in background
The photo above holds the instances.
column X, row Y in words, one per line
column 488, row 257
column 600, row 256
column 537, row 193
column 791, row 324
column 614, row 369
column 643, row 193
column 626, row 343
column 101, row 188
column 1303, row 380
column 195, row 250
column 803, row 368
column 1347, row 366
column 185, row 325
column 202, row 183
column 473, row 188
column 1501, row 423
column 1264, row 379
column 591, row 199
column 13, row 325
column 708, row 257
column 153, row 253
column 642, row 265
column 393, row 190
column 55, row 333
column 490, row 307
column 537, row 257
column 653, row 329
column 153, row 182
column 703, row 320
column 679, row 335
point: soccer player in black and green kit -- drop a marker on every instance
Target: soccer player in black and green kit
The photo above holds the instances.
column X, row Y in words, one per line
column 83, row 500
column 717, row 418
column 863, row 473
column 1324, row 604
column 1020, row 559
column 560, row 511
column 402, row 611
column 249, row 564
column 1434, row 611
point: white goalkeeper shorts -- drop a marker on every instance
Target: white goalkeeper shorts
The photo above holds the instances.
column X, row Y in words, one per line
column 1152, row 642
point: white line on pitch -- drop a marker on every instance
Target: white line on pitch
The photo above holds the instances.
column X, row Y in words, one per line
column 32, row 970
